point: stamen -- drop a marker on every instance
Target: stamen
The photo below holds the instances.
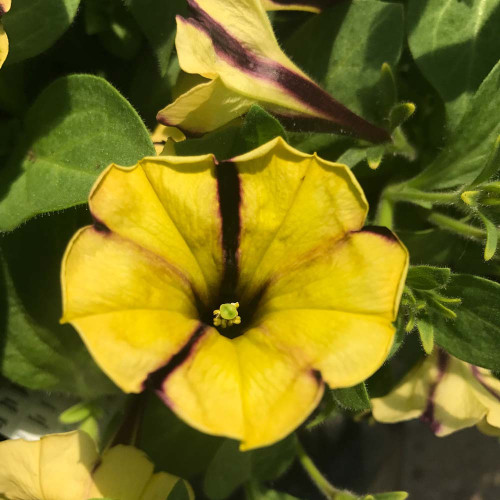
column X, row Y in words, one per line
column 227, row 315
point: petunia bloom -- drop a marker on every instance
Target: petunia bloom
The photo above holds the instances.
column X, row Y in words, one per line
column 68, row 467
column 4, row 41
column 183, row 246
column 232, row 44
column 445, row 392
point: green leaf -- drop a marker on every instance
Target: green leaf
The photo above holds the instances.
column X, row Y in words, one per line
column 374, row 156
column 228, row 470
column 256, row 492
column 171, row 444
column 491, row 237
column 473, row 335
column 272, row 461
column 427, row 277
column 179, row 491
column 38, row 352
column 393, row 495
column 76, row 413
column 455, row 44
column 491, row 166
column 353, row 398
column 467, row 150
column 157, row 21
column 220, row 143
column 78, row 126
column 426, row 331
column 258, row 128
column 34, row 25
column 344, row 47
column 400, row 113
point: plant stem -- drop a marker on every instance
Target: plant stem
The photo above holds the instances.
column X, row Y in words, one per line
column 456, row 226
column 415, row 195
column 385, row 212
column 319, row 480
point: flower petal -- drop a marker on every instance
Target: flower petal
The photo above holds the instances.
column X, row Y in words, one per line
column 293, row 205
column 123, row 473
column 4, row 45
column 363, row 273
column 205, row 107
column 344, row 348
column 307, row 5
column 445, row 392
column 234, row 40
column 66, row 462
column 160, row 486
column 20, row 473
column 168, row 206
column 231, row 387
column 130, row 282
column 4, row 41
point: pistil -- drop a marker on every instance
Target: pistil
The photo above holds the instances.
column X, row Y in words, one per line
column 227, row 315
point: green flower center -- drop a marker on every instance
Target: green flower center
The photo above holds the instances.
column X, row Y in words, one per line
column 227, row 315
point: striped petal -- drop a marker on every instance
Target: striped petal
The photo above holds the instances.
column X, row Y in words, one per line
column 246, row 388
column 132, row 282
column 234, row 41
column 205, row 107
column 447, row 393
column 4, row 41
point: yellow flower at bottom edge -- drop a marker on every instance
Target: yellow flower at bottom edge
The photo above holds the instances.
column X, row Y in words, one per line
column 68, row 467
column 4, row 41
column 447, row 393
column 235, row 289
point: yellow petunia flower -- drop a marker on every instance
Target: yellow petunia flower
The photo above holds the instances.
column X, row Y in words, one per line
column 68, row 467
column 447, row 393
column 4, row 41
column 232, row 44
column 236, row 289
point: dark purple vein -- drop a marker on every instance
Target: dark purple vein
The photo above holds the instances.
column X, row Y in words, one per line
column 304, row 90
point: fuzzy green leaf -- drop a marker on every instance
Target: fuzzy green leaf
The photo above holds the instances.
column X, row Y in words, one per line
column 427, row 277
column 34, row 25
column 469, row 147
column 473, row 335
column 157, row 21
column 229, row 469
column 455, row 44
column 353, row 398
column 38, row 352
column 76, row 128
column 344, row 47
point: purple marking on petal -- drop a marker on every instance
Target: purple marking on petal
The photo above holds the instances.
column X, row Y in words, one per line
column 100, row 226
column 156, row 379
column 306, row 91
column 380, row 231
column 477, row 375
column 317, row 376
column 229, row 193
column 428, row 414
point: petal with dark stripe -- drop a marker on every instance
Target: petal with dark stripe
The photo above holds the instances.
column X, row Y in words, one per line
column 234, row 41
